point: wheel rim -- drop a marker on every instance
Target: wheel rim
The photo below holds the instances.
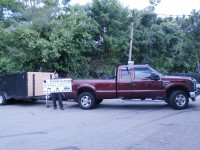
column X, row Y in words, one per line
column 180, row 100
column 1, row 99
column 86, row 101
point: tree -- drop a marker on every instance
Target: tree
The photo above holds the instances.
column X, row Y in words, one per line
column 193, row 35
column 72, row 44
column 87, row 41
column 7, row 6
column 113, row 36
column 160, row 44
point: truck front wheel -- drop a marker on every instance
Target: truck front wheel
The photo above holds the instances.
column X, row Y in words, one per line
column 179, row 99
column 2, row 99
column 86, row 100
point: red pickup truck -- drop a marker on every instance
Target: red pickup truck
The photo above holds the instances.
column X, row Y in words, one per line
column 134, row 82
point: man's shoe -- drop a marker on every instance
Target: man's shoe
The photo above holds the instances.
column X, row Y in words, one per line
column 55, row 108
column 61, row 108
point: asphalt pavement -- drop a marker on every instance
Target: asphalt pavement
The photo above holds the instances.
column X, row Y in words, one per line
column 113, row 125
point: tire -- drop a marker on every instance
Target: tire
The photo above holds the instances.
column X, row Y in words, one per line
column 98, row 101
column 179, row 100
column 2, row 99
column 86, row 100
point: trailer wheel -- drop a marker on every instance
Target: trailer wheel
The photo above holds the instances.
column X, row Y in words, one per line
column 179, row 99
column 2, row 99
column 86, row 100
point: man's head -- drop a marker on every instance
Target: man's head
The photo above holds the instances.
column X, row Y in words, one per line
column 55, row 74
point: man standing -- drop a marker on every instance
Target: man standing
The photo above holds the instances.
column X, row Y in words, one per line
column 57, row 96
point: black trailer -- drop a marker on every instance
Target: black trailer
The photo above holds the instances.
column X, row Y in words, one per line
column 25, row 85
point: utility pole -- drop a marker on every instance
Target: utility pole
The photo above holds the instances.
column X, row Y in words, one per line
column 131, row 41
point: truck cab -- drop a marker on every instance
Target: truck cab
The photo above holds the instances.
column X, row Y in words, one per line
column 135, row 80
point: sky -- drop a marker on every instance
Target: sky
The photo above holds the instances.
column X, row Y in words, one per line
column 165, row 7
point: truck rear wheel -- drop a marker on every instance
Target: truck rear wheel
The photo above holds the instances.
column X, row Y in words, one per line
column 2, row 99
column 179, row 99
column 86, row 100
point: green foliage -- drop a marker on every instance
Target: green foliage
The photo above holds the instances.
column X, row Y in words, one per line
column 10, row 5
column 164, row 45
column 87, row 41
column 113, row 37
column 24, row 48
column 72, row 43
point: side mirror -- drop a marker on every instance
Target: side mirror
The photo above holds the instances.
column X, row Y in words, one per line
column 155, row 76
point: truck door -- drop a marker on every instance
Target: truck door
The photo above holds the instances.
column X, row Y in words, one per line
column 143, row 86
column 124, row 86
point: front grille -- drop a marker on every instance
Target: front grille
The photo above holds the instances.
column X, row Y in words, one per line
column 194, row 85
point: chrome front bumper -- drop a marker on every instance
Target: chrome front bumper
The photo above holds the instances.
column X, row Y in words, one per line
column 193, row 95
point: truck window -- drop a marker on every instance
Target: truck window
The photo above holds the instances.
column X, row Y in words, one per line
column 141, row 73
column 125, row 73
